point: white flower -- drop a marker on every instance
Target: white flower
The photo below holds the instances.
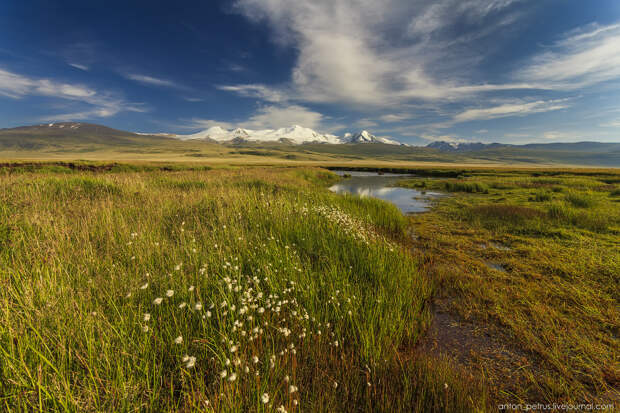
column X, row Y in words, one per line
column 145, row 329
column 233, row 349
column 223, row 373
column 158, row 301
column 208, row 313
column 281, row 409
column 264, row 398
column 335, row 385
column 185, row 358
column 145, row 286
column 191, row 288
column 178, row 340
column 198, row 306
column 232, row 377
column 255, row 359
column 191, row 362
column 169, row 293
column 147, row 317
column 292, row 389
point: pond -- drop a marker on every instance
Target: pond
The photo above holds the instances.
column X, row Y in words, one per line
column 382, row 186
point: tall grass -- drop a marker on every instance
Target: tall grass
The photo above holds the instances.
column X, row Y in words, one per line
column 225, row 290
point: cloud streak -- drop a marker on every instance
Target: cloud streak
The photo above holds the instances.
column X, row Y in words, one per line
column 101, row 105
column 582, row 58
column 510, row 109
column 151, row 81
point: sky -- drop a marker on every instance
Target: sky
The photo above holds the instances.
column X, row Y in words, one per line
column 511, row 71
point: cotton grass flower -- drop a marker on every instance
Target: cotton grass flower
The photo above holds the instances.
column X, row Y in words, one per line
column 232, row 377
column 178, row 340
column 292, row 389
column 198, row 306
column 158, row 301
column 147, row 317
column 191, row 362
column 264, row 398
column 223, row 373
column 145, row 286
column 169, row 293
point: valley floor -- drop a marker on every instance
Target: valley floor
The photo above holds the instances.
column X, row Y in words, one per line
column 178, row 287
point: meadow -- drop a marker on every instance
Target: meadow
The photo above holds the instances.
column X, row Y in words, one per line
column 151, row 287
column 528, row 271
column 250, row 289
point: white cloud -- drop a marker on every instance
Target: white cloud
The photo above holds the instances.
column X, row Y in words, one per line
column 79, row 66
column 269, row 117
column 153, row 81
column 353, row 51
column 283, row 116
column 257, row 91
column 612, row 124
column 366, row 123
column 510, row 109
column 17, row 86
column 395, row 117
column 582, row 58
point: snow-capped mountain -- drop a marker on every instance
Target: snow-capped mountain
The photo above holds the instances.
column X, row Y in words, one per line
column 295, row 134
column 366, row 137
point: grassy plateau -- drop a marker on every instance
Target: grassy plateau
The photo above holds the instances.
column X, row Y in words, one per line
column 186, row 288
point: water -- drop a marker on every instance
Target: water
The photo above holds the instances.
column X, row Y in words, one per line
column 381, row 186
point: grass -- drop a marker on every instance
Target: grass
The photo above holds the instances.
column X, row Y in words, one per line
column 211, row 290
column 159, row 287
column 554, row 310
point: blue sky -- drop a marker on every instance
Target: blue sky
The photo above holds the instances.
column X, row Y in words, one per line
column 512, row 71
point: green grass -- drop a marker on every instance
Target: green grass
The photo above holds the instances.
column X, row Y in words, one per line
column 556, row 305
column 262, row 262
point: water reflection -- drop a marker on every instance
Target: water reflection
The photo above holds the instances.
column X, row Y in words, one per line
column 381, row 186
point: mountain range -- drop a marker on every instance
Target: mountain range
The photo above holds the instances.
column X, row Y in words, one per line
column 77, row 140
column 444, row 146
column 295, row 135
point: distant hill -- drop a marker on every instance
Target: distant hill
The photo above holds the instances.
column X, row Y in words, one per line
column 60, row 135
column 570, row 146
column 462, row 146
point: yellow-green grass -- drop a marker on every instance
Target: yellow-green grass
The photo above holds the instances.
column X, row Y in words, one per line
column 556, row 304
column 259, row 262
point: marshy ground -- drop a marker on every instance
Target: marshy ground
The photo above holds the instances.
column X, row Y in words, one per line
column 256, row 289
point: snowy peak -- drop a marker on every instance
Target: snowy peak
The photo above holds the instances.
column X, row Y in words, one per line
column 295, row 134
column 366, row 137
